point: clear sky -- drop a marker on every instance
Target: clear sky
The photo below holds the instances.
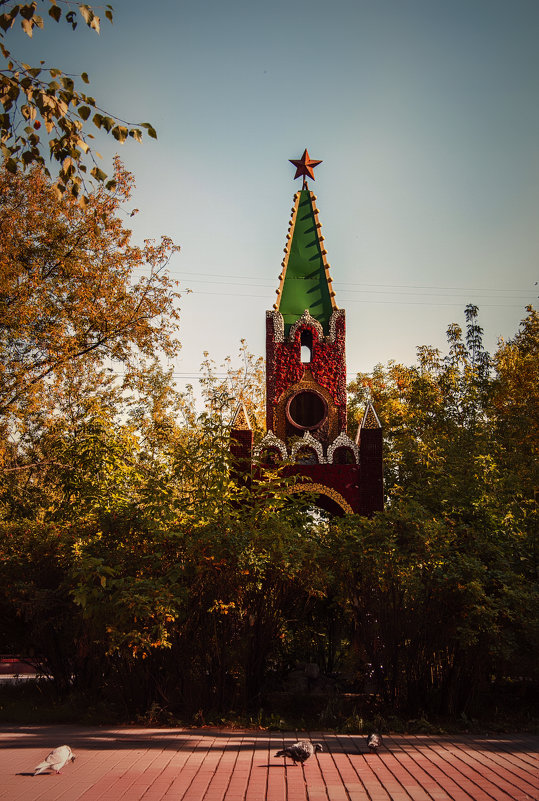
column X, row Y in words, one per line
column 424, row 112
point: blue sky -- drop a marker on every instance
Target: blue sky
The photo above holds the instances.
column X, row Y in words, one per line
column 424, row 112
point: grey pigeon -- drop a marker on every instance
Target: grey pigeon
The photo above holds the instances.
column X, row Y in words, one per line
column 300, row 751
column 374, row 741
column 56, row 759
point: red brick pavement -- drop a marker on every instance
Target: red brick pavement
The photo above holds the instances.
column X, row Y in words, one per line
column 128, row 764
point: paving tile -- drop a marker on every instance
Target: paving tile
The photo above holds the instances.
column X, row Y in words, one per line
column 132, row 764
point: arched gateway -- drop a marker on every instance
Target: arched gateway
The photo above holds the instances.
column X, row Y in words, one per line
column 306, row 378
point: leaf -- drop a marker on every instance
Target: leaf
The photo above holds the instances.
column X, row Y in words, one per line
column 86, row 13
column 59, row 190
column 119, row 132
column 27, row 11
column 68, row 84
column 136, row 134
column 98, row 174
column 6, row 22
column 150, row 129
column 84, row 112
column 27, row 26
column 55, row 13
column 11, row 165
column 85, row 78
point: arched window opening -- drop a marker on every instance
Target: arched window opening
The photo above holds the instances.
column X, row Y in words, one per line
column 306, row 346
column 306, row 456
column 270, row 456
column 343, row 456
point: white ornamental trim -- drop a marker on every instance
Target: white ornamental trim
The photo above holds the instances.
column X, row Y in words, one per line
column 343, row 441
column 306, row 319
column 310, row 442
column 270, row 441
column 336, row 315
column 278, row 325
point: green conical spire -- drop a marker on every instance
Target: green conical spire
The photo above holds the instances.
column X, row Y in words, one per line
column 305, row 282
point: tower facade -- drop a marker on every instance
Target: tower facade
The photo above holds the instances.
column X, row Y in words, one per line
column 306, row 377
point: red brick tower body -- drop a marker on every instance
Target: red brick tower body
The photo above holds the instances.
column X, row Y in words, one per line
column 306, row 380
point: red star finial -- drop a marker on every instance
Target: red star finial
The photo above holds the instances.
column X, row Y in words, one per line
column 304, row 165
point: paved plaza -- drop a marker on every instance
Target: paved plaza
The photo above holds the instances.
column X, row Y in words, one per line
column 132, row 764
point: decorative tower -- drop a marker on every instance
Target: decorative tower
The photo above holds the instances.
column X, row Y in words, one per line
column 306, row 376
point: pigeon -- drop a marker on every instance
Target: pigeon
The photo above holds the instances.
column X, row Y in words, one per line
column 300, row 751
column 374, row 741
column 56, row 759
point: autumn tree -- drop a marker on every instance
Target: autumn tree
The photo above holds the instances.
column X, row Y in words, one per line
column 77, row 299
column 33, row 97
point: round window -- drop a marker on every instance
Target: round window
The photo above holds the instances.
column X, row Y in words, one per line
column 306, row 410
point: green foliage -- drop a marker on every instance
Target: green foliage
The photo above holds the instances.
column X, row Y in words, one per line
column 148, row 573
column 33, row 97
column 438, row 606
column 448, row 595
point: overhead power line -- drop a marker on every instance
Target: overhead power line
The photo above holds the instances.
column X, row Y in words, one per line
column 371, row 301
column 266, row 283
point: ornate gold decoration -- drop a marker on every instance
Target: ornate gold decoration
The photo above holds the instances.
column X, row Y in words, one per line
column 240, row 421
column 370, row 418
column 306, row 382
column 330, row 493
column 284, row 262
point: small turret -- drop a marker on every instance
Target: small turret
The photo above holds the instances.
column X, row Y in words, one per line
column 370, row 443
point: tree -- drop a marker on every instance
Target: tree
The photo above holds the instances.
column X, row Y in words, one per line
column 514, row 406
column 435, row 418
column 33, row 97
column 72, row 302
column 442, row 586
column 145, row 571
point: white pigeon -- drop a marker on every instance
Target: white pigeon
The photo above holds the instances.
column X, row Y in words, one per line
column 374, row 741
column 56, row 759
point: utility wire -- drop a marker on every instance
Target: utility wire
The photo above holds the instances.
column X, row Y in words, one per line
column 371, row 301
